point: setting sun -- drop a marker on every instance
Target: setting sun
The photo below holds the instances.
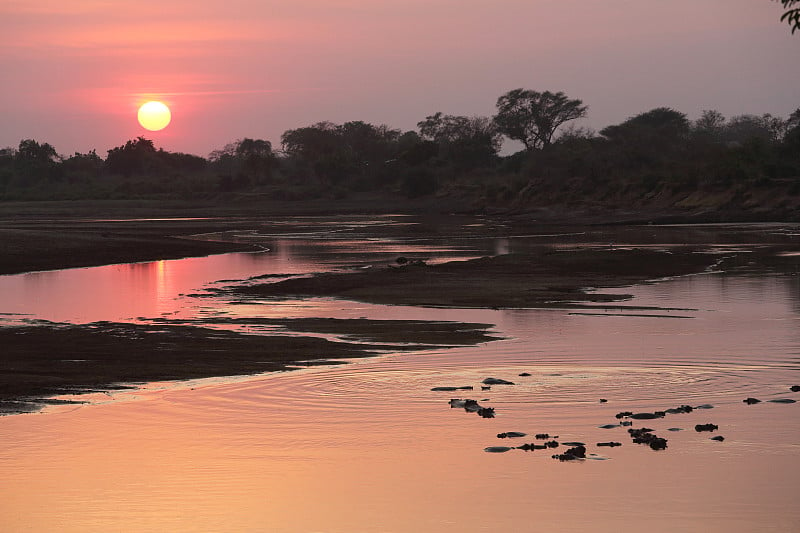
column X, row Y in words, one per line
column 154, row 116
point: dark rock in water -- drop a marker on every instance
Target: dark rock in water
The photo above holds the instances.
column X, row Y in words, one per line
column 551, row 444
column 486, row 412
column 542, row 436
column 510, row 435
column 782, row 400
column 647, row 416
column 401, row 260
column 795, row 388
column 573, row 443
column 609, row 426
column 719, row 438
column 705, row 406
column 451, row 389
column 658, row 443
column 610, row 444
column 624, row 414
column 626, row 423
column 706, row 427
column 496, row 381
column 578, row 452
column 497, row 449
column 603, row 400
column 751, row 401
column 524, row 375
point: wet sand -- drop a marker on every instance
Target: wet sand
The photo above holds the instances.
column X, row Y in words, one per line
column 543, row 278
column 44, row 360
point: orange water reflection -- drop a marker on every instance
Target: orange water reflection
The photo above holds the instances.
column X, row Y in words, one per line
column 368, row 447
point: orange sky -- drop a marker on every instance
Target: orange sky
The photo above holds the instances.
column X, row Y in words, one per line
column 75, row 72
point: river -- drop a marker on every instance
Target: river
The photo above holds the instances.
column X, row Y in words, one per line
column 369, row 447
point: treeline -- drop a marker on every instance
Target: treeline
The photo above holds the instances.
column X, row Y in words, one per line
column 656, row 156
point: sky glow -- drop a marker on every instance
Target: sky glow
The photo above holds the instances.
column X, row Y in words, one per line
column 76, row 72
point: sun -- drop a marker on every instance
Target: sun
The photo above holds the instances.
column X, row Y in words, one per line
column 154, row 116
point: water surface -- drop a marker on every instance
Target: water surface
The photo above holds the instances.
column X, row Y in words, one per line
column 368, row 446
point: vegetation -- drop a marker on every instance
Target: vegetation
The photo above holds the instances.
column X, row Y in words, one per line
column 792, row 14
column 658, row 158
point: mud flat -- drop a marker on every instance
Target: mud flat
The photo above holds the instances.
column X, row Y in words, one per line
column 40, row 361
column 544, row 277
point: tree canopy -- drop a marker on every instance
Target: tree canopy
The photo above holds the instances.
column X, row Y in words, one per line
column 533, row 117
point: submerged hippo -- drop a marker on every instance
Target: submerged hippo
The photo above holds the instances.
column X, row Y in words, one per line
column 497, row 381
column 511, row 435
column 578, row 452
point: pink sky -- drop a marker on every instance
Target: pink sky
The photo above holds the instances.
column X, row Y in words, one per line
column 74, row 72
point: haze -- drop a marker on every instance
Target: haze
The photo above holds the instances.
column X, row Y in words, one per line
column 75, row 73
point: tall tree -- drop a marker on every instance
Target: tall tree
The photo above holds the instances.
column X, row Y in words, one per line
column 533, row 117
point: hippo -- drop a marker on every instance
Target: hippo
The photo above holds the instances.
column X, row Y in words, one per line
column 497, row 381
column 497, row 449
column 532, row 446
column 751, row 401
column 647, row 416
column 511, row 435
column 706, row 427
column 611, row 444
column 578, row 452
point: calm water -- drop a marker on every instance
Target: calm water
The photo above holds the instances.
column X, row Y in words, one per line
column 367, row 447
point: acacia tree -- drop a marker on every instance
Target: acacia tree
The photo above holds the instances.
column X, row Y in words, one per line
column 533, row 117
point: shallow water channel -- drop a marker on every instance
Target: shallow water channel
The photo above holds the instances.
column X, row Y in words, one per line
column 368, row 447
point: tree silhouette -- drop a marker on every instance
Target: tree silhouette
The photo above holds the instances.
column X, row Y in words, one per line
column 533, row 117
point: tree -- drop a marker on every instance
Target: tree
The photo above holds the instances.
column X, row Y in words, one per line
column 745, row 128
column 533, row 117
column 136, row 156
column 36, row 161
column 710, row 125
column 30, row 151
column 662, row 123
column 467, row 142
column 792, row 15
